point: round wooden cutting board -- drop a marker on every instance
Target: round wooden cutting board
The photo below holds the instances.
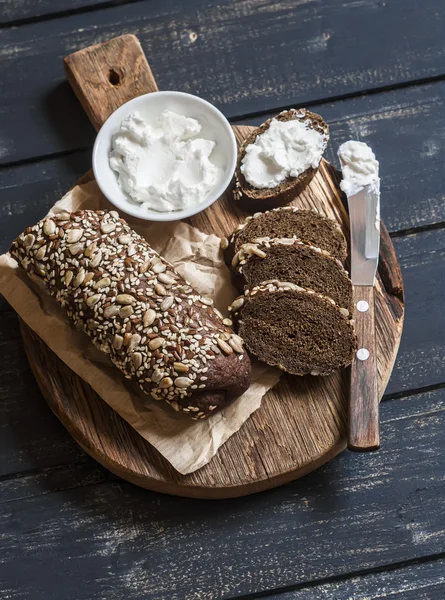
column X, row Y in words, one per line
column 301, row 423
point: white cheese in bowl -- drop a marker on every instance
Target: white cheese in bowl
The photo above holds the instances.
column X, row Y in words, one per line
column 165, row 167
column 285, row 149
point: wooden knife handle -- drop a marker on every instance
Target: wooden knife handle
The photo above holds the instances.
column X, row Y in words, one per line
column 363, row 431
column 106, row 76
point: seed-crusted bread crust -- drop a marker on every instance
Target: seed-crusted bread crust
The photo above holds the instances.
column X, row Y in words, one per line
column 307, row 226
column 134, row 307
column 287, row 259
column 254, row 199
column 295, row 329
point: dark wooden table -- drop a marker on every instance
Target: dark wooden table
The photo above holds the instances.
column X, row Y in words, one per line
column 364, row 526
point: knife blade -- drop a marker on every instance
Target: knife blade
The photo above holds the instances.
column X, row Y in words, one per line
column 364, row 217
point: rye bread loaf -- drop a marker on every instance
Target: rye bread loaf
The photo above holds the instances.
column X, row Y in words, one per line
column 253, row 199
column 154, row 327
column 307, row 226
column 287, row 259
column 297, row 330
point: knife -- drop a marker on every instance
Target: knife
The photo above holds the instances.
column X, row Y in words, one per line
column 364, row 215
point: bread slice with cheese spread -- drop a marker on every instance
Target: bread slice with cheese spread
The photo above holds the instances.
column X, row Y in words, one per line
column 254, row 198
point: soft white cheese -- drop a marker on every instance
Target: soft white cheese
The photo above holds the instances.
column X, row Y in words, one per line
column 166, row 167
column 359, row 167
column 285, row 149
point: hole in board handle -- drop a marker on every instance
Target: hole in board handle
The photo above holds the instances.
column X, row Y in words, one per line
column 114, row 78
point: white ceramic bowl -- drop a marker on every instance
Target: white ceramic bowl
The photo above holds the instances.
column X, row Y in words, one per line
column 214, row 127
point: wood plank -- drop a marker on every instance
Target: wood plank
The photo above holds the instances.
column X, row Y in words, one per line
column 244, row 56
column 17, row 11
column 419, row 361
column 52, row 479
column 31, row 436
column 28, row 191
column 359, row 512
column 424, row 581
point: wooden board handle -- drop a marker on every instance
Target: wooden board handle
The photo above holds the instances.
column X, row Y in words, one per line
column 363, row 431
column 106, row 76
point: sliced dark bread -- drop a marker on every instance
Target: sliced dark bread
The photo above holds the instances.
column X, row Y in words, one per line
column 290, row 260
column 307, row 226
column 297, row 330
column 252, row 198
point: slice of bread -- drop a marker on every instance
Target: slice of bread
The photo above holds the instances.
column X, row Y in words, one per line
column 290, row 260
column 253, row 199
column 307, row 226
column 297, row 330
